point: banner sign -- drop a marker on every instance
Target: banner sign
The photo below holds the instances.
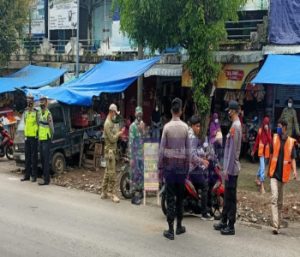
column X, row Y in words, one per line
column 62, row 14
column 186, row 78
column 284, row 22
column 151, row 181
column 233, row 76
column 38, row 17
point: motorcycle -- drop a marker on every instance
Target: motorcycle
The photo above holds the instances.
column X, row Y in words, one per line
column 6, row 144
column 125, row 178
column 192, row 198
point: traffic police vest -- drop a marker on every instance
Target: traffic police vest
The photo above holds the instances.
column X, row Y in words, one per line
column 287, row 159
column 31, row 124
column 44, row 128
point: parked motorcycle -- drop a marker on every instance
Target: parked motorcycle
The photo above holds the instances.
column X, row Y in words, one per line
column 192, row 198
column 7, row 143
column 125, row 178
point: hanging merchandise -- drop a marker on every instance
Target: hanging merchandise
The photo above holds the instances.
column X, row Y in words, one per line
column 237, row 95
column 255, row 92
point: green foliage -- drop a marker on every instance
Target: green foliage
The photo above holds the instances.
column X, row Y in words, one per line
column 196, row 25
column 14, row 14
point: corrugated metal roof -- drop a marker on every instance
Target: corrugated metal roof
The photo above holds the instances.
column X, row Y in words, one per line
column 165, row 70
column 281, row 49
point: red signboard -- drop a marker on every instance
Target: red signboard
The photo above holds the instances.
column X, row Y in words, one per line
column 235, row 75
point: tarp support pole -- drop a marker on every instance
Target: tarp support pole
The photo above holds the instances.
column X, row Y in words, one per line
column 77, row 40
column 140, row 79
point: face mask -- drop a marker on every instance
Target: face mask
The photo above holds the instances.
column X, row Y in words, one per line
column 279, row 131
column 216, row 121
column 43, row 106
column 290, row 105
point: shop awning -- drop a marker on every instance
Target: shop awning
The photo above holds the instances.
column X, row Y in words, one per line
column 106, row 77
column 31, row 77
column 165, row 70
column 280, row 70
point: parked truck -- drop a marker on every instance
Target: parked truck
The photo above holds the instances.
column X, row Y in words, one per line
column 67, row 141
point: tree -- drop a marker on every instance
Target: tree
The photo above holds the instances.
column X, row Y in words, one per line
column 196, row 25
column 14, row 15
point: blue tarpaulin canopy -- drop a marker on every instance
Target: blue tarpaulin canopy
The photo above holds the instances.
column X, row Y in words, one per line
column 279, row 70
column 106, row 77
column 31, row 77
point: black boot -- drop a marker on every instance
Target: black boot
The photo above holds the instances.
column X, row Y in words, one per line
column 180, row 229
column 136, row 199
column 170, row 233
column 229, row 230
column 220, row 226
column 25, row 179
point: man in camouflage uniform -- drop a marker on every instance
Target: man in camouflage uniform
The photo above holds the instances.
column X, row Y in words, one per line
column 289, row 114
column 111, row 136
column 136, row 154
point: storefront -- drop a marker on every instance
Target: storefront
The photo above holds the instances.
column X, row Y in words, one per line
column 280, row 74
column 233, row 83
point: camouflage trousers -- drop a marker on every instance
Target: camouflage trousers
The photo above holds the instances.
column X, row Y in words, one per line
column 109, row 180
column 137, row 176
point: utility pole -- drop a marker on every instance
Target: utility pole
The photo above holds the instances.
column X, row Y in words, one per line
column 29, row 34
column 77, row 41
column 140, row 79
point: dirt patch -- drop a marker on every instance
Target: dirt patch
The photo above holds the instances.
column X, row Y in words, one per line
column 256, row 208
column 86, row 180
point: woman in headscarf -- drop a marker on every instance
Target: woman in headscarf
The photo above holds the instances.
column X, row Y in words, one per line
column 262, row 144
column 214, row 128
column 215, row 135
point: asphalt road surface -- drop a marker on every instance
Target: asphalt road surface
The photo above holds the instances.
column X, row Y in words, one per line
column 52, row 221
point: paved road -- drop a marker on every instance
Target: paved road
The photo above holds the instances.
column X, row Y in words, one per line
column 56, row 222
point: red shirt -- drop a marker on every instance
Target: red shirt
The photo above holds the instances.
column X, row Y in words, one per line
column 265, row 137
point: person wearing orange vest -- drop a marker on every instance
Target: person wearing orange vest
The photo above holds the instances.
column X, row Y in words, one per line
column 282, row 162
column 262, row 144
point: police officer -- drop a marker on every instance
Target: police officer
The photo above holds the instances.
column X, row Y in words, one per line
column 46, row 131
column 232, row 169
column 173, row 165
column 31, row 141
column 111, row 136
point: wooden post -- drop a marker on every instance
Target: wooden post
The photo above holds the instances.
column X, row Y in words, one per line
column 81, row 153
column 145, row 194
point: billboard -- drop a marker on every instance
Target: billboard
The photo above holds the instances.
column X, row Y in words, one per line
column 62, row 14
column 38, row 17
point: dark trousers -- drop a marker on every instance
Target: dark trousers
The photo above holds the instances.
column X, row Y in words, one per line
column 175, row 174
column 230, row 198
column 200, row 181
column 45, row 159
column 174, row 196
column 31, row 156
